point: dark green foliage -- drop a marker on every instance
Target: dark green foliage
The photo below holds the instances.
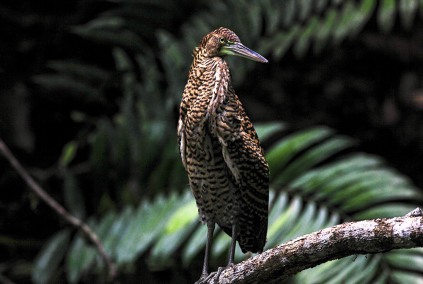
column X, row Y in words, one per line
column 307, row 195
column 46, row 264
column 122, row 172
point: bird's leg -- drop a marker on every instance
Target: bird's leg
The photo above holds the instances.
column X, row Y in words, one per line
column 210, row 230
column 205, row 272
column 233, row 243
column 235, row 230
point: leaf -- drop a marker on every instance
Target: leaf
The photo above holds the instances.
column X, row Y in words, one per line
column 386, row 15
column 170, row 238
column 111, row 230
column 182, row 217
column 343, row 25
column 304, row 40
column 73, row 197
column 79, row 259
column 132, row 243
column 111, row 36
column 279, row 155
column 289, row 12
column 310, row 158
column 283, row 42
column 405, row 277
column 361, row 16
column 272, row 18
column 265, row 130
column 68, row 153
column 80, row 70
column 283, row 223
column 100, row 146
column 67, row 85
column 320, row 5
column 410, row 260
column 407, row 11
column 389, row 210
column 50, row 257
column 328, row 24
column 145, row 227
column 304, row 8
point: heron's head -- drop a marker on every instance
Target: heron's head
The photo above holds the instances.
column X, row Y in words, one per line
column 223, row 41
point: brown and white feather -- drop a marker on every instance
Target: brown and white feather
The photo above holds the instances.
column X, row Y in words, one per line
column 220, row 149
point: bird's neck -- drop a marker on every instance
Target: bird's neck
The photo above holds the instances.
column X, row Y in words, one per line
column 204, row 62
column 209, row 82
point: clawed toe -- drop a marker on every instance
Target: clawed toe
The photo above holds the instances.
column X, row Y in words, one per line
column 205, row 277
column 214, row 275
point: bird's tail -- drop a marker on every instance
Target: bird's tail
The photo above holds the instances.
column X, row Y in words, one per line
column 252, row 231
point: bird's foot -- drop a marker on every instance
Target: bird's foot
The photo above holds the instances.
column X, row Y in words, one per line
column 218, row 272
column 214, row 275
column 205, row 277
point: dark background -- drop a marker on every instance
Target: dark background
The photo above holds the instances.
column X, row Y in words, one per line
column 368, row 86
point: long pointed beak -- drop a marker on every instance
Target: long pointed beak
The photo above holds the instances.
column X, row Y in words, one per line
column 238, row 49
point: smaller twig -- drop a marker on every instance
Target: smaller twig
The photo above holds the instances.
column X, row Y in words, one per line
column 74, row 221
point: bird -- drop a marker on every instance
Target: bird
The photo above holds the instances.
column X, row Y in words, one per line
column 220, row 149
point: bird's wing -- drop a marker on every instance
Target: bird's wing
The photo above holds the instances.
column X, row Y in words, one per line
column 244, row 155
column 245, row 159
column 181, row 140
column 181, row 135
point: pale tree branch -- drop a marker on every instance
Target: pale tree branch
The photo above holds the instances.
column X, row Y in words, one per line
column 352, row 238
column 74, row 221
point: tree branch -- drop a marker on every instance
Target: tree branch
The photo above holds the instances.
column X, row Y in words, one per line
column 74, row 221
column 363, row 237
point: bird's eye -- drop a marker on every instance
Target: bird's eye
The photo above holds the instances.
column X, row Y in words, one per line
column 222, row 40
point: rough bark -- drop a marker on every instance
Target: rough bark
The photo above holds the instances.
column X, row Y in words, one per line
column 352, row 238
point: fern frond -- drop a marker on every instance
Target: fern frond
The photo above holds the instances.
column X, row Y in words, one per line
column 317, row 192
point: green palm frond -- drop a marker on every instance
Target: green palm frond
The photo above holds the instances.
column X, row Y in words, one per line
column 316, row 179
column 148, row 83
column 314, row 186
column 300, row 25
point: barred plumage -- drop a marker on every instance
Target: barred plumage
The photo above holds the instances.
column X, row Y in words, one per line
column 219, row 147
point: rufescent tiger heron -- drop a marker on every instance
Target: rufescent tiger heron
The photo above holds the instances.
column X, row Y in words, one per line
column 220, row 149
